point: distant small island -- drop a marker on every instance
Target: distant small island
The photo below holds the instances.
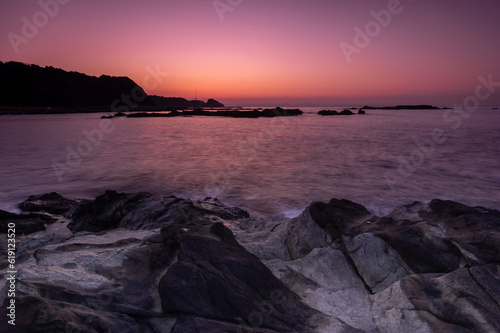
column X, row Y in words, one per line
column 345, row 112
column 404, row 107
column 235, row 113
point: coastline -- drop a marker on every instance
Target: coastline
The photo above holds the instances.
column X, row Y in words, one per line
column 48, row 110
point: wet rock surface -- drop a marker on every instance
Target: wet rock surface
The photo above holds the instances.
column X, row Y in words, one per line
column 138, row 263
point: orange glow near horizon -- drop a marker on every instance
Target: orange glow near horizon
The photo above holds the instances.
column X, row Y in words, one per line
column 284, row 50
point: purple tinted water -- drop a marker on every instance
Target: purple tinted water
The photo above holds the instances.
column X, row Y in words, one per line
column 266, row 165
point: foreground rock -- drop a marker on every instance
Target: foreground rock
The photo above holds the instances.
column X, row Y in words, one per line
column 425, row 267
column 137, row 263
column 24, row 223
column 176, row 269
column 143, row 211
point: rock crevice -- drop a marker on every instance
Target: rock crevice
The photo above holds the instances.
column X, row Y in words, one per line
column 137, row 263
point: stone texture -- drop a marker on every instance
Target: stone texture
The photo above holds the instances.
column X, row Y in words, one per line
column 143, row 211
column 137, row 263
column 378, row 264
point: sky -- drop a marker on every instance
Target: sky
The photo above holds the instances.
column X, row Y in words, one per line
column 268, row 52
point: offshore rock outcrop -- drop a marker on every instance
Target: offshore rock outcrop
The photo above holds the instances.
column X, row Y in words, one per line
column 235, row 113
column 345, row 112
column 137, row 263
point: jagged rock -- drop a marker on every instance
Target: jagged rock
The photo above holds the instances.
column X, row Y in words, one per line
column 382, row 258
column 304, row 234
column 105, row 212
column 52, row 203
column 378, row 264
column 176, row 265
column 221, row 280
column 24, row 223
column 393, row 312
column 338, row 215
column 326, row 280
column 263, row 237
column 317, row 226
column 441, row 236
column 143, row 211
column 133, row 277
column 460, row 301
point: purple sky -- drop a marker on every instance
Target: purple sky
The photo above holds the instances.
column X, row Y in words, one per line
column 268, row 51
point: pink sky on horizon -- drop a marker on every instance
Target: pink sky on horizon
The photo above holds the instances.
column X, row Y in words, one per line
column 267, row 52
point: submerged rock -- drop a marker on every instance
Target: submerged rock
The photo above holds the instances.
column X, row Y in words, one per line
column 137, row 263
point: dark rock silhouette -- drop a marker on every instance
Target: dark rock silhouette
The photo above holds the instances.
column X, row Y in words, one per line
column 143, row 211
column 361, row 112
column 226, row 282
column 24, row 223
column 235, row 113
column 328, row 112
column 31, row 89
column 52, row 203
column 35, row 86
column 175, row 103
column 212, row 103
column 345, row 112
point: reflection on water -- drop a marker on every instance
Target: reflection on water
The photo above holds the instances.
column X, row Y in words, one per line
column 266, row 165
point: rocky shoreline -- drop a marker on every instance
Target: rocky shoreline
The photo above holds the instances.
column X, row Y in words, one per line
column 139, row 263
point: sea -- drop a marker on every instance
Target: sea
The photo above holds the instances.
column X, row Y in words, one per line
column 268, row 166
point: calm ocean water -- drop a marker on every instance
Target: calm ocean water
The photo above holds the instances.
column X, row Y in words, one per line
column 266, row 165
